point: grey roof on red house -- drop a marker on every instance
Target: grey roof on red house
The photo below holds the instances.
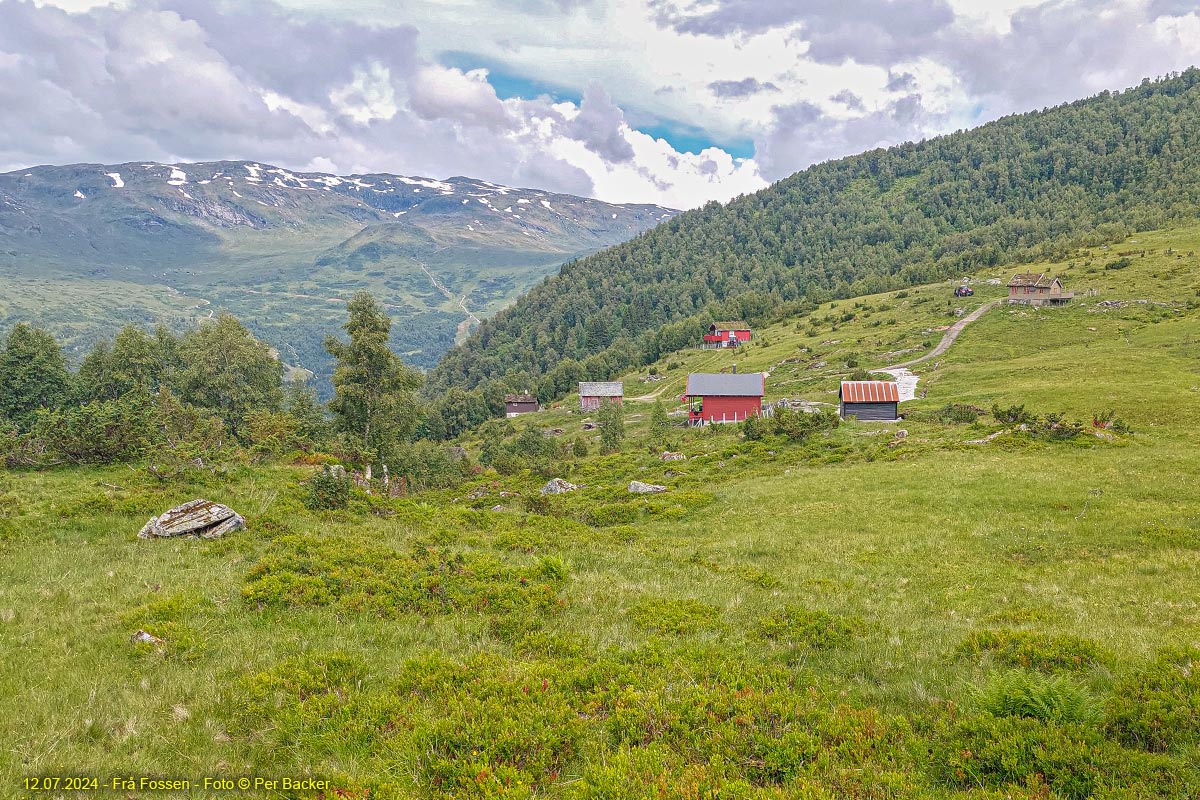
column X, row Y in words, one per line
column 869, row 392
column 520, row 398
column 720, row 384
column 601, row 389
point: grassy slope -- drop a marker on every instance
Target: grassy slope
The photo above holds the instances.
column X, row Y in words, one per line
column 925, row 542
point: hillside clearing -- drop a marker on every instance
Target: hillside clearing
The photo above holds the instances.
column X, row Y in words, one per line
column 813, row 616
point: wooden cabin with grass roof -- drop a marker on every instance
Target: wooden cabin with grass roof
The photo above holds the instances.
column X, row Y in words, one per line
column 1037, row 289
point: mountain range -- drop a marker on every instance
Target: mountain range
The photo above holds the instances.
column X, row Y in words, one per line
column 86, row 248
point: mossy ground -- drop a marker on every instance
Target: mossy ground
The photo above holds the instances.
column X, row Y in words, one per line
column 790, row 619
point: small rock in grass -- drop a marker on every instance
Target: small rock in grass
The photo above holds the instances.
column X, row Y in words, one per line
column 669, row 456
column 637, row 487
column 145, row 637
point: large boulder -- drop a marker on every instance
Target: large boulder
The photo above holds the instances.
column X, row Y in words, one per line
column 558, row 486
column 202, row 518
column 637, row 487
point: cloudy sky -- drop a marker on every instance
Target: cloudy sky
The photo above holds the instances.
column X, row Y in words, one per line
column 669, row 101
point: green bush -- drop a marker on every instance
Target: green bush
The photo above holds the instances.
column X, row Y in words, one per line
column 675, row 617
column 799, row 425
column 1031, row 650
column 817, row 630
column 958, row 413
column 363, row 577
column 1158, row 707
column 328, row 489
column 1072, row 761
column 1013, row 415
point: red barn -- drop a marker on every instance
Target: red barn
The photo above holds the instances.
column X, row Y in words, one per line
column 720, row 397
column 726, row 334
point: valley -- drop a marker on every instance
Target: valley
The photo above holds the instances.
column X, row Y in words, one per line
column 83, row 252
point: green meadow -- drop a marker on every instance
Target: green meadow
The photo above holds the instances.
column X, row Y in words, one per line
column 967, row 610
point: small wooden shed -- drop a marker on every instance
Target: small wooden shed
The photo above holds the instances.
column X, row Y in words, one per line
column 870, row 401
column 517, row 404
column 593, row 393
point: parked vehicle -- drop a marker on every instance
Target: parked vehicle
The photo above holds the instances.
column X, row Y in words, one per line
column 964, row 291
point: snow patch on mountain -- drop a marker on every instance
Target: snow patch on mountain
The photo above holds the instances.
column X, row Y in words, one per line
column 441, row 186
column 116, row 179
column 178, row 177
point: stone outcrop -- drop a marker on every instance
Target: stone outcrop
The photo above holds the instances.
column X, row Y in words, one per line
column 558, row 486
column 199, row 518
column 637, row 487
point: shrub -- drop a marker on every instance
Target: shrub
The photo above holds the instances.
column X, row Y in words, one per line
column 363, row 577
column 1028, row 694
column 328, row 489
column 579, row 449
column 799, row 425
column 1120, row 263
column 1072, row 761
column 1013, row 415
column 425, row 465
column 958, row 413
column 1158, row 707
column 813, row 629
column 100, row 432
column 1031, row 650
column 675, row 617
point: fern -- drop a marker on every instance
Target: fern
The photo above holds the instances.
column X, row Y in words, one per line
column 1045, row 698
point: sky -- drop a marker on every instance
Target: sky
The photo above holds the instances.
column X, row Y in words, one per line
column 675, row 102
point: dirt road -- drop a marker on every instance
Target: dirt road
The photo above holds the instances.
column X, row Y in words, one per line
column 949, row 338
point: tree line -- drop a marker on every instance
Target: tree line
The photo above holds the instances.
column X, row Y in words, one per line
column 1023, row 188
column 178, row 400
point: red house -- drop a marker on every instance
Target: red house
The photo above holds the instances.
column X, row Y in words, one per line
column 720, row 397
column 726, row 334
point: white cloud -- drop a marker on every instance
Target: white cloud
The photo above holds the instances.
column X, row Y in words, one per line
column 369, row 97
column 372, row 85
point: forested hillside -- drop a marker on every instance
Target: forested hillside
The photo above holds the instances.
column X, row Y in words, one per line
column 1023, row 187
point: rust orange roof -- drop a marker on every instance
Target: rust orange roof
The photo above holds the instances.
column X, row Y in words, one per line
column 869, row 392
